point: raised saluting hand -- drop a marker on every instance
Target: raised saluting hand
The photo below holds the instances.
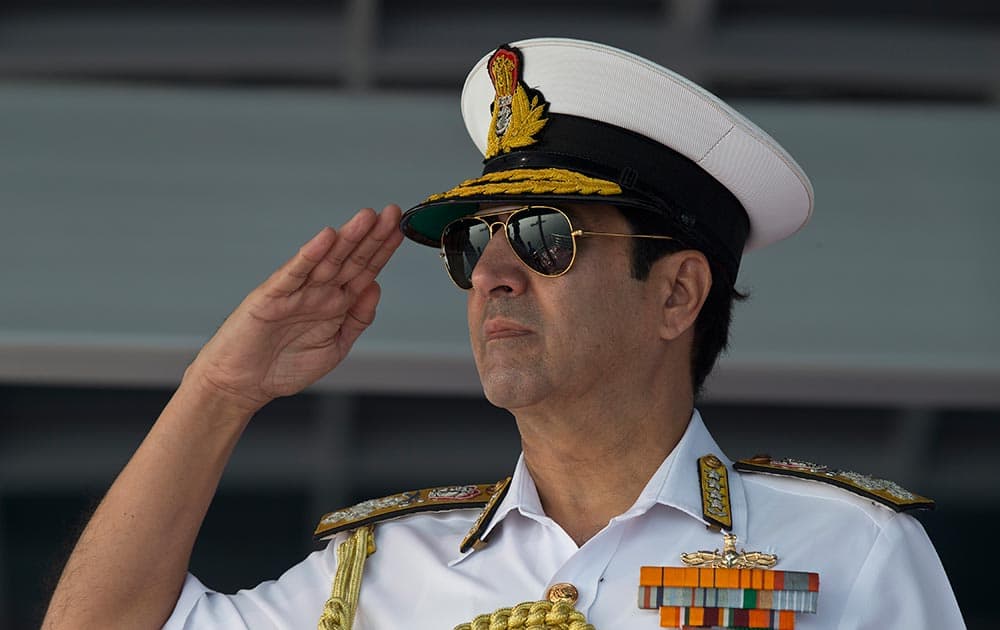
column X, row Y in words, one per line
column 302, row 321
column 128, row 567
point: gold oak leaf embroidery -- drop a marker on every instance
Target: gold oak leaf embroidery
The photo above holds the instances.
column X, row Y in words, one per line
column 526, row 120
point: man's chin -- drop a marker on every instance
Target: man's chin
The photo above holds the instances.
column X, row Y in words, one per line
column 510, row 388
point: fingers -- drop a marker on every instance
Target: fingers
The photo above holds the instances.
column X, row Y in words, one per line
column 350, row 235
column 353, row 257
column 294, row 273
column 359, row 317
column 374, row 253
column 354, row 254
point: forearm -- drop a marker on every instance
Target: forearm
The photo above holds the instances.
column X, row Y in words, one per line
column 128, row 566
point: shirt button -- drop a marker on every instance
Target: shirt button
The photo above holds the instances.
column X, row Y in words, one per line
column 563, row 592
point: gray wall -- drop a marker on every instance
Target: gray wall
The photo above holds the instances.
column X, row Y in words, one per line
column 135, row 218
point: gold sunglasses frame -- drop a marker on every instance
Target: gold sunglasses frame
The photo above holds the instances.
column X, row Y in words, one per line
column 573, row 233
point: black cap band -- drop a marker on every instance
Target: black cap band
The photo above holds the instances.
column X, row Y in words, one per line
column 652, row 176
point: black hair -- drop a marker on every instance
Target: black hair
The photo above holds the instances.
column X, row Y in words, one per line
column 711, row 328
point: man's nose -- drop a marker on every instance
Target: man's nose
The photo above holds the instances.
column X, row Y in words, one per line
column 499, row 270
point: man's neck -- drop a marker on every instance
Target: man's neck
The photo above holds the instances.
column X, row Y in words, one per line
column 591, row 463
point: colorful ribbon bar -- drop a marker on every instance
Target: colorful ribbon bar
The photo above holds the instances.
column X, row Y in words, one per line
column 700, row 617
column 653, row 597
column 756, row 579
column 699, row 597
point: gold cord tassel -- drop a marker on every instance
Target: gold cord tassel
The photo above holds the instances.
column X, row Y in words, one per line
column 531, row 616
column 338, row 613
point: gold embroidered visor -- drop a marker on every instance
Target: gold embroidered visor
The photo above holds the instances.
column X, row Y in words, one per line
column 530, row 181
column 425, row 222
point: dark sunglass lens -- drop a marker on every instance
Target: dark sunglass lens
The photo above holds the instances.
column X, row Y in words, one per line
column 541, row 238
column 463, row 243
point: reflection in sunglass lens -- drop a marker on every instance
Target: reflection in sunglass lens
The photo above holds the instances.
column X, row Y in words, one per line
column 464, row 242
column 541, row 238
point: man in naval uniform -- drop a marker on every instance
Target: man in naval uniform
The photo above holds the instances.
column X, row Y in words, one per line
column 599, row 252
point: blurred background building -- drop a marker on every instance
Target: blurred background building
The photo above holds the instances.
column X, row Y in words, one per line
column 157, row 161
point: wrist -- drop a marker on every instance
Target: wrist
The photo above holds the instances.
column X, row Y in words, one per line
column 222, row 403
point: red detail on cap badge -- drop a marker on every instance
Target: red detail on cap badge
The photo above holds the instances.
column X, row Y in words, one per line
column 504, row 74
column 518, row 113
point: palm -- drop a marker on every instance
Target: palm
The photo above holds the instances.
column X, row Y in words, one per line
column 303, row 320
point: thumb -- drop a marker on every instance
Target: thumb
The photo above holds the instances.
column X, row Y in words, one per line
column 359, row 316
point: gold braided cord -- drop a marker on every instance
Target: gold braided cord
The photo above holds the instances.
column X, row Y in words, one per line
column 338, row 613
column 531, row 616
column 531, row 181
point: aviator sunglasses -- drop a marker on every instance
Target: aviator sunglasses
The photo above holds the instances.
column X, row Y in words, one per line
column 542, row 237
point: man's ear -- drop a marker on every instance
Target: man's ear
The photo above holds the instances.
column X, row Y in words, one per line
column 685, row 279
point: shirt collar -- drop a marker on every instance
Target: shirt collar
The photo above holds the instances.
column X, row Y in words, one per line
column 522, row 497
column 675, row 484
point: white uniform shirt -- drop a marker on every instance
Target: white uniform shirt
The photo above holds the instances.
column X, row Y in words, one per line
column 877, row 568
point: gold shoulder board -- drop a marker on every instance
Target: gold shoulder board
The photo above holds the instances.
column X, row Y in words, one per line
column 886, row 492
column 397, row 505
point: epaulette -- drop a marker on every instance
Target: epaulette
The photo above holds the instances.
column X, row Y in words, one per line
column 883, row 491
column 397, row 505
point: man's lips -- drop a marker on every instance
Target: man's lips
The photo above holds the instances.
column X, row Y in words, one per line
column 502, row 329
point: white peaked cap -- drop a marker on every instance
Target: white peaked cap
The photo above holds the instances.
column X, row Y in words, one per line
column 612, row 86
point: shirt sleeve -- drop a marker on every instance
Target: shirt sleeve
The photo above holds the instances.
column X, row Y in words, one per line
column 902, row 584
column 295, row 600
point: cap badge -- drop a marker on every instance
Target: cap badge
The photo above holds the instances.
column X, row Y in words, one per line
column 518, row 112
